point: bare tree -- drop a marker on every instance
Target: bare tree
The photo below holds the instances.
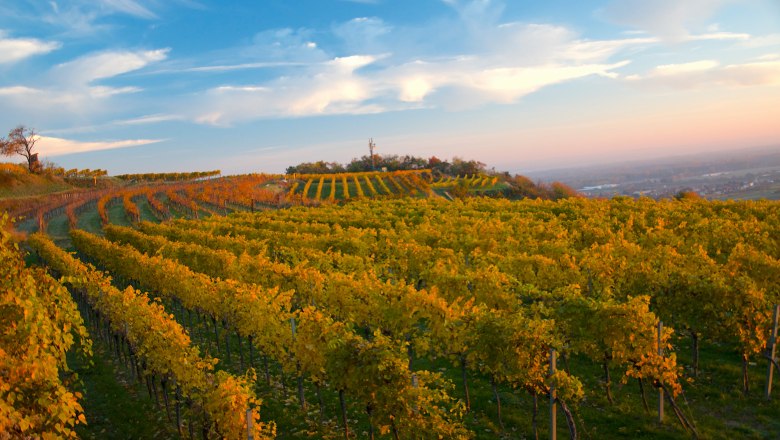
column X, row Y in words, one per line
column 21, row 140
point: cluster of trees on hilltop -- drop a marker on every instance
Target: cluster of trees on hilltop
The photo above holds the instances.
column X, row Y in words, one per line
column 516, row 187
column 392, row 162
column 521, row 187
column 169, row 177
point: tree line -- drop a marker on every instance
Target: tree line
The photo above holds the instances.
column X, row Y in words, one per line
column 392, row 162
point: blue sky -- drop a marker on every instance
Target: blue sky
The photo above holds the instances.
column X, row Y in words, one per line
column 153, row 85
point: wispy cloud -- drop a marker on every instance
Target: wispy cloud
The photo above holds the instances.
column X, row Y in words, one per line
column 52, row 146
column 140, row 120
column 362, row 34
column 148, row 119
column 15, row 91
column 228, row 67
column 710, row 72
column 91, row 67
column 670, row 20
column 129, row 7
column 495, row 61
column 76, row 90
column 80, row 18
column 763, row 41
column 16, row 49
column 505, row 62
column 388, row 68
column 334, row 88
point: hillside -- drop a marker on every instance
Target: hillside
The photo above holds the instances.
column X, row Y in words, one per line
column 318, row 281
column 17, row 182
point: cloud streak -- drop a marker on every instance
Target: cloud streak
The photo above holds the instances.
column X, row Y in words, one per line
column 669, row 20
column 53, row 146
column 92, row 67
column 75, row 86
column 500, row 62
column 509, row 61
column 16, row 49
column 704, row 73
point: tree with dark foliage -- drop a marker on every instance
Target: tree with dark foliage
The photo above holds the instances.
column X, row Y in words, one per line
column 21, row 140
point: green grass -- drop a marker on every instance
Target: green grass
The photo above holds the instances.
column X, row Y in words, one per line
column 116, row 214
column 58, row 229
column 147, row 214
column 326, row 190
column 89, row 221
column 312, row 189
column 114, row 405
column 27, row 225
column 28, row 185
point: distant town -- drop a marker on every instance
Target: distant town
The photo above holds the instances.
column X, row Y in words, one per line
column 750, row 174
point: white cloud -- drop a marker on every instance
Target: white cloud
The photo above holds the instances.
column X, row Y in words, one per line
column 148, row 119
column 333, row 88
column 684, row 68
column 16, row 49
column 763, row 41
column 91, row 67
column 83, row 17
column 140, row 120
column 52, row 146
column 17, row 91
column 506, row 62
column 232, row 67
column 75, row 91
column 719, row 36
column 708, row 72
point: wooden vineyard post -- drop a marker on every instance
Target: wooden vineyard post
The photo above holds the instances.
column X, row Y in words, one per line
column 553, row 396
column 771, row 348
column 301, row 395
column 660, row 389
column 249, row 434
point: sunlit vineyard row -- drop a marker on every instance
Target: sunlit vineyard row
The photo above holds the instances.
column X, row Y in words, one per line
column 40, row 324
column 317, row 188
column 426, row 316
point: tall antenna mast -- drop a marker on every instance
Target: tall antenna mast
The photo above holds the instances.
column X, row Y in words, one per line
column 371, row 146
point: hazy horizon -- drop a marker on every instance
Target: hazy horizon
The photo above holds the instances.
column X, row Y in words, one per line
column 143, row 86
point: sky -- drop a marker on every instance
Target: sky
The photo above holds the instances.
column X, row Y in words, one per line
column 256, row 86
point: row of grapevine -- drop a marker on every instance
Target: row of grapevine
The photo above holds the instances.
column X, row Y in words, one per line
column 345, row 186
column 476, row 180
column 161, row 346
column 40, row 324
column 385, row 314
column 323, row 348
column 709, row 269
column 722, row 253
column 487, row 286
column 169, row 177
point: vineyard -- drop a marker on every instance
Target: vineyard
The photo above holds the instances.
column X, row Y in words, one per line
column 317, row 188
column 428, row 318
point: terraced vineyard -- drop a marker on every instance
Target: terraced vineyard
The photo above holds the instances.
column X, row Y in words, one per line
column 317, row 188
column 419, row 317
